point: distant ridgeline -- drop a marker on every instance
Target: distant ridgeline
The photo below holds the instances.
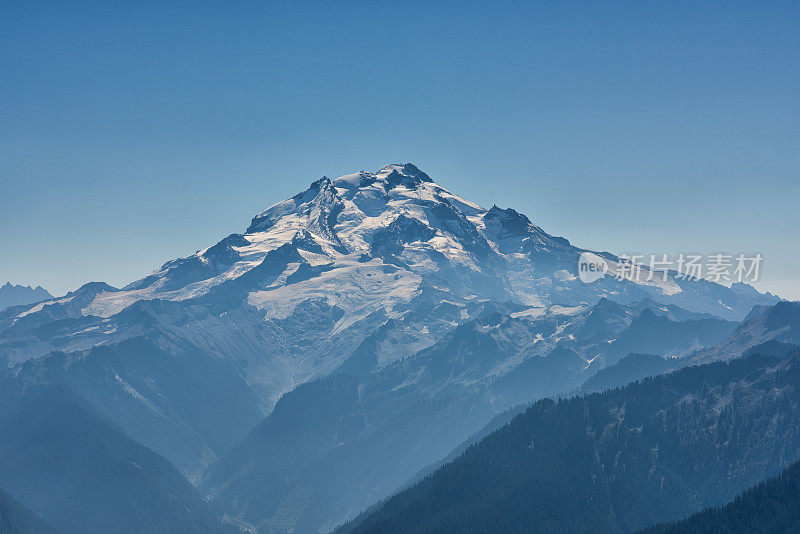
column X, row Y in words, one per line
column 14, row 295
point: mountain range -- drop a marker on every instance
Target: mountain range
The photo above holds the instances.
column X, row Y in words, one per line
column 348, row 339
column 615, row 461
column 15, row 295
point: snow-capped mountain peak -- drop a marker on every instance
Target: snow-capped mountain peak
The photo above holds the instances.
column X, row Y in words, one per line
column 368, row 240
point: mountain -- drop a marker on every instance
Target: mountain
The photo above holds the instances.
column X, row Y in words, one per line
column 779, row 323
column 362, row 244
column 771, row 506
column 653, row 451
column 412, row 314
column 16, row 519
column 80, row 474
column 629, row 369
column 305, row 468
column 657, row 334
column 16, row 295
column 161, row 390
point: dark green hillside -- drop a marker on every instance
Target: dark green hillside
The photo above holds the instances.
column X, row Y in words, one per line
column 772, row 506
column 617, row 461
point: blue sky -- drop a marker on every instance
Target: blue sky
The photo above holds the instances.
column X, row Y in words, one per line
column 133, row 133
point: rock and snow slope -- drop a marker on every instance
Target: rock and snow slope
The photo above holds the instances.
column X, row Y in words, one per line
column 366, row 241
column 440, row 311
column 290, row 298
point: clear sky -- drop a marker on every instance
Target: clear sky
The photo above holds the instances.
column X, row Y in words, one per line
column 133, row 133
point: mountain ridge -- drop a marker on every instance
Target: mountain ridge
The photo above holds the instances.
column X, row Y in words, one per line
column 432, row 234
column 413, row 314
column 613, row 461
column 17, row 295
